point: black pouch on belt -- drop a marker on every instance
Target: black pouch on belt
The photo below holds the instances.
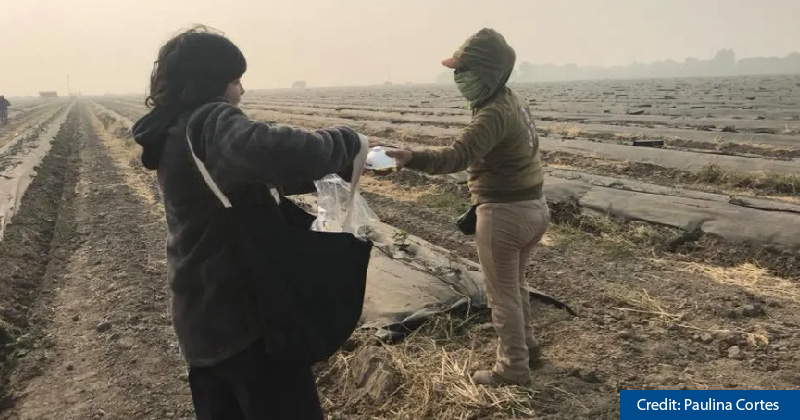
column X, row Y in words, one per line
column 468, row 221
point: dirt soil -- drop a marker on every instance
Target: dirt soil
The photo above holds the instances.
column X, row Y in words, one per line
column 86, row 277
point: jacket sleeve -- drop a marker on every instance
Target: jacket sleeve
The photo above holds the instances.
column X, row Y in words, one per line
column 239, row 150
column 476, row 141
column 308, row 187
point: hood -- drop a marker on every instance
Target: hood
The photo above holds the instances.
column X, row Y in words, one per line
column 151, row 133
column 152, row 130
column 487, row 54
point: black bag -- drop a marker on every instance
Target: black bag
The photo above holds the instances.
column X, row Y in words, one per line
column 309, row 286
column 468, row 221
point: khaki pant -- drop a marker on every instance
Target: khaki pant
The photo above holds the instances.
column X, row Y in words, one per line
column 506, row 233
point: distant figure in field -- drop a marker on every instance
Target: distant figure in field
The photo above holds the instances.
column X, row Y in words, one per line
column 4, row 104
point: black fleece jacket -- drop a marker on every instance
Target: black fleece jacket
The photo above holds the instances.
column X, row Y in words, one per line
column 213, row 316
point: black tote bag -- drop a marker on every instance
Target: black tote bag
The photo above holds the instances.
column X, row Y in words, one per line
column 309, row 285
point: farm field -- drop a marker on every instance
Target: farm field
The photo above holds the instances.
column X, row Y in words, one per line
column 680, row 261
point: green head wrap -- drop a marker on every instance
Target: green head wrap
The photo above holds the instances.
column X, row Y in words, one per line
column 472, row 87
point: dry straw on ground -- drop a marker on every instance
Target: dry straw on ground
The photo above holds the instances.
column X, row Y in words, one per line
column 433, row 366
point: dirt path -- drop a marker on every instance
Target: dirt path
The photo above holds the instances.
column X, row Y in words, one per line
column 105, row 347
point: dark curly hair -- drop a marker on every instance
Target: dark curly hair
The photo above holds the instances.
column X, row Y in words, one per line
column 194, row 67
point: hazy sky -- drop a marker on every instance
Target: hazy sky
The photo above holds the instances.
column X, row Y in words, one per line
column 109, row 45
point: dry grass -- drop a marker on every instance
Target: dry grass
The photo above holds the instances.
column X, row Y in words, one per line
column 573, row 229
column 433, row 366
column 764, row 182
column 570, row 132
column 573, row 131
column 756, row 280
column 437, row 197
column 382, row 186
column 790, row 130
column 639, row 301
column 426, row 191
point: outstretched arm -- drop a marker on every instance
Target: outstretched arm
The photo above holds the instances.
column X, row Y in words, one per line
column 475, row 142
column 238, row 150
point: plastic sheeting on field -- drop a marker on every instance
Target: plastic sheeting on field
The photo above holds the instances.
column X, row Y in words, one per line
column 19, row 159
column 748, row 220
column 741, row 220
column 668, row 158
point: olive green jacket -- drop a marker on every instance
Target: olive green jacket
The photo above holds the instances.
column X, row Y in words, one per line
column 500, row 147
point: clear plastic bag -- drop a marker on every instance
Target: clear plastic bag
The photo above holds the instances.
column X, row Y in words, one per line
column 333, row 214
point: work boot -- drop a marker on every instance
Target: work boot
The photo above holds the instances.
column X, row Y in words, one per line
column 490, row 378
column 534, row 351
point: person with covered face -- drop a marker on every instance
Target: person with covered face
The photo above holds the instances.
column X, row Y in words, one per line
column 500, row 150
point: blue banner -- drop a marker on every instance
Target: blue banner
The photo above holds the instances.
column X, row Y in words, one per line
column 654, row 405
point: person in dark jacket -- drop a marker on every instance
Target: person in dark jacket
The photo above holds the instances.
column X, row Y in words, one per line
column 236, row 371
column 4, row 104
